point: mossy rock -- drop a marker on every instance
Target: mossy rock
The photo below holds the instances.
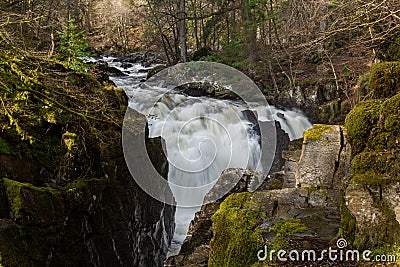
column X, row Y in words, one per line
column 31, row 205
column 41, row 115
column 385, row 79
column 284, row 229
column 317, row 132
column 236, row 240
column 84, row 192
column 390, row 113
column 381, row 140
column 155, row 70
column 360, row 122
column 347, row 223
column 375, row 168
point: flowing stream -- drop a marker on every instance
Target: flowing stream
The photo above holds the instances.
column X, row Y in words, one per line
column 203, row 137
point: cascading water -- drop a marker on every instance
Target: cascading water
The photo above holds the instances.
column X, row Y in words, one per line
column 203, row 137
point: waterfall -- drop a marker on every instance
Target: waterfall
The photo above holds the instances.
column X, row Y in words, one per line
column 203, row 137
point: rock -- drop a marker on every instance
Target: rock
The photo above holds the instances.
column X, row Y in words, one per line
column 320, row 156
column 195, row 248
column 391, row 196
column 109, row 71
column 282, row 139
column 197, row 89
column 67, row 197
column 155, row 70
column 102, row 72
column 372, row 195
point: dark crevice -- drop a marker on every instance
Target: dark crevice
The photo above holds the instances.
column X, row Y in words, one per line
column 337, row 162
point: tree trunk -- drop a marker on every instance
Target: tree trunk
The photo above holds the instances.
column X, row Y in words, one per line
column 182, row 30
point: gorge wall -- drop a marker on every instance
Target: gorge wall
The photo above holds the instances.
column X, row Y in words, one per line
column 66, row 195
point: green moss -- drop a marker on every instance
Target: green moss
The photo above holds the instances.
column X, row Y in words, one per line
column 384, row 81
column 359, row 123
column 31, row 205
column 83, row 192
column 381, row 141
column 288, row 227
column 317, row 131
column 390, row 113
column 236, row 240
column 375, row 168
column 347, row 224
column 283, row 230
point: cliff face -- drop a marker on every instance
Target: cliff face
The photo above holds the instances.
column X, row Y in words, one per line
column 66, row 195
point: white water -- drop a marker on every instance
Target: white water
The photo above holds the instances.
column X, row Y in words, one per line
column 203, row 137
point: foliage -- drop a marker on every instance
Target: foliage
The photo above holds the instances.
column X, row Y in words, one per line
column 42, row 106
column 232, row 55
column 72, row 46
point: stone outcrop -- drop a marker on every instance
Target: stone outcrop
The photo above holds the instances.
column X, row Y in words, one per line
column 67, row 197
column 320, row 158
column 196, row 247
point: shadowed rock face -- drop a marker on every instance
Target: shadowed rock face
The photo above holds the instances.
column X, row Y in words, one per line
column 93, row 222
column 76, row 204
column 314, row 204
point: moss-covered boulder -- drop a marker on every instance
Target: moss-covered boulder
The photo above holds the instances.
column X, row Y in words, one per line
column 236, row 240
column 360, row 122
column 374, row 134
column 385, row 79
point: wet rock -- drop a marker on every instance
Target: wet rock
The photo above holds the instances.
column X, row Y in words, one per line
column 102, row 72
column 197, row 89
column 282, row 139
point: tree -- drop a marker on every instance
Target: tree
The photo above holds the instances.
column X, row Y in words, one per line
column 72, row 46
column 182, row 30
